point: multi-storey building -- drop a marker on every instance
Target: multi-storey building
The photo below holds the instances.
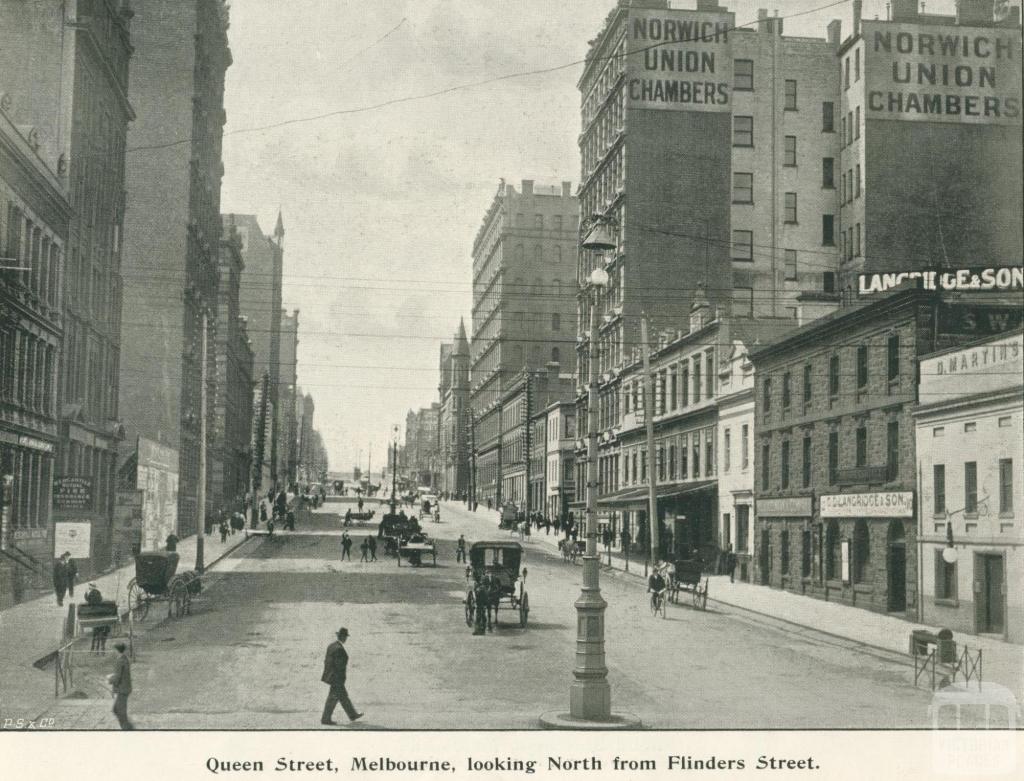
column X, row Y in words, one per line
column 912, row 88
column 65, row 71
column 260, row 299
column 425, row 458
column 970, row 447
column 34, row 216
column 173, row 230
column 230, row 459
column 304, row 411
column 287, row 450
column 453, row 431
column 523, row 272
column 560, row 435
column 835, row 467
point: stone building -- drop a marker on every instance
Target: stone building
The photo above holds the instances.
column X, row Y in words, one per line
column 453, row 431
column 970, row 447
column 34, row 216
column 560, row 436
column 173, row 231
column 64, row 71
column 287, row 450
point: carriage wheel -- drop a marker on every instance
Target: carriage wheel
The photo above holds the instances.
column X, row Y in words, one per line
column 470, row 608
column 137, row 601
column 524, row 610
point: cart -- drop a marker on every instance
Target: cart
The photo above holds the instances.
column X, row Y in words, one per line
column 688, row 575
column 156, row 580
column 498, row 562
column 415, row 549
column 395, row 529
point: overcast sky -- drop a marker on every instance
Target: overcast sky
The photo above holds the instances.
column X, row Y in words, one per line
column 381, row 207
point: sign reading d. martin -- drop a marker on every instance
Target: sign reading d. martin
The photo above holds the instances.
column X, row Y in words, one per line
column 679, row 60
column 884, row 504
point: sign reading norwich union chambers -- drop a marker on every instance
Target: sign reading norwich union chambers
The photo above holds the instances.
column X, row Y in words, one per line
column 679, row 60
column 942, row 73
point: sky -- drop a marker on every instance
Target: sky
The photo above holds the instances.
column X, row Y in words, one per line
column 381, row 206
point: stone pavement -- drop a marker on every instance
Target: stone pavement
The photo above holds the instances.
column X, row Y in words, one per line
column 32, row 631
column 1002, row 662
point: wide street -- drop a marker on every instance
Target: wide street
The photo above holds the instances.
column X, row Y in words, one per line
column 251, row 654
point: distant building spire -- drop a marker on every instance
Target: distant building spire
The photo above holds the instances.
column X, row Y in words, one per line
column 279, row 228
column 461, row 343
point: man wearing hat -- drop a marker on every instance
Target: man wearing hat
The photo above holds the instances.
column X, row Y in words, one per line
column 121, row 685
column 335, row 670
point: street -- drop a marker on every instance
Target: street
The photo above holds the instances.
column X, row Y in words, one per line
column 250, row 656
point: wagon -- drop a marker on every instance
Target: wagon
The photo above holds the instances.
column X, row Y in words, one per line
column 415, row 549
column 156, row 580
column 688, row 575
column 395, row 529
column 497, row 563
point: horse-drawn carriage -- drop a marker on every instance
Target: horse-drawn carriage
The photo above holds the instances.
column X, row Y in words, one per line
column 416, row 548
column 395, row 529
column 688, row 575
column 493, row 576
column 157, row 580
column 358, row 517
column 571, row 549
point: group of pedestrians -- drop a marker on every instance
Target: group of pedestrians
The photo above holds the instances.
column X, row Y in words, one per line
column 367, row 548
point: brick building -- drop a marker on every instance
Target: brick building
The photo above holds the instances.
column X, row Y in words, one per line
column 287, row 450
column 229, row 457
column 173, row 230
column 34, row 216
column 834, row 460
column 64, row 69
column 970, row 447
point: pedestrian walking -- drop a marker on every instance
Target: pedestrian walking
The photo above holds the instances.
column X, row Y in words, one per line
column 460, row 549
column 121, row 686
column 99, row 633
column 730, row 564
column 223, row 531
column 359, row 504
column 70, row 573
column 335, row 675
column 60, row 578
column 346, row 547
column 364, row 549
column 371, row 543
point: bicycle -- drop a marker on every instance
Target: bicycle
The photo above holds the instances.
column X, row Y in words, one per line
column 658, row 603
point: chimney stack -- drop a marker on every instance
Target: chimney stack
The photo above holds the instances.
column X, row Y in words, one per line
column 858, row 10
column 835, row 32
column 904, row 10
column 527, row 187
column 566, row 189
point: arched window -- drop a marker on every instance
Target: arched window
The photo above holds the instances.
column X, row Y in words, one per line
column 538, row 253
column 861, row 551
column 832, row 550
column 555, row 355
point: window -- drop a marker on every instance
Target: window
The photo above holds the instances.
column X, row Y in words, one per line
column 743, row 71
column 766, row 394
column 784, row 545
column 849, row 127
column 862, row 446
column 856, row 64
column 789, row 213
column 538, row 221
column 842, row 133
column 846, row 73
column 828, row 172
column 671, row 462
column 828, row 117
column 833, row 376
column 842, row 189
column 709, row 452
column 742, row 527
column 832, row 550
column 861, row 551
column 806, row 464
column 684, row 458
column 969, row 427
column 556, row 322
column 862, row 367
column 742, row 188
column 744, row 440
column 833, row 457
column 790, row 95
column 558, row 222
column 828, row 233
column 945, row 578
column 696, row 454
column 789, row 150
column 673, row 391
column 828, row 281
column 790, row 259
column 685, row 382
column 856, row 123
column 766, row 471
column 939, row 489
column 786, row 383
column 856, row 240
column 807, row 384
column 892, row 346
column 726, row 450
column 742, row 245
column 785, row 464
column 696, row 380
column 742, row 131
column 892, row 449
column 856, row 181
column 1005, row 486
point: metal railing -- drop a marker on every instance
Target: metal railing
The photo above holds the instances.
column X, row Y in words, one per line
column 967, row 664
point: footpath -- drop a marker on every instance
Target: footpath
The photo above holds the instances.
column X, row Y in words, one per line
column 1002, row 662
column 31, row 632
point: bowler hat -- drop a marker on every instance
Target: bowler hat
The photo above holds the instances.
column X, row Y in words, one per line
column 342, row 631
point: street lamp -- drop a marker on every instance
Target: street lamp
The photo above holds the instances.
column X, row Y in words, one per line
column 590, row 693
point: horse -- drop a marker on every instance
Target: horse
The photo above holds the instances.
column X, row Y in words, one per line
column 487, row 593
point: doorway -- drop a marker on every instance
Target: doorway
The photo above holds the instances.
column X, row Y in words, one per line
column 988, row 586
column 765, row 557
column 897, row 569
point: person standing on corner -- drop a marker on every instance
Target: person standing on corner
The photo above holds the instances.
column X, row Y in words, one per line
column 371, row 543
column 121, row 686
column 346, row 546
column 335, row 674
column 60, row 578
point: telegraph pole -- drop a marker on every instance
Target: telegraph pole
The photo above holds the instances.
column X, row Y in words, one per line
column 652, row 488
column 201, row 488
column 526, row 442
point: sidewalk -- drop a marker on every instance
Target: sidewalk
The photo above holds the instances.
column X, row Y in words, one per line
column 1002, row 662
column 32, row 630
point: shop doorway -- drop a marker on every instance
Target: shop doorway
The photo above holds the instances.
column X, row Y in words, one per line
column 765, row 557
column 988, row 586
column 897, row 567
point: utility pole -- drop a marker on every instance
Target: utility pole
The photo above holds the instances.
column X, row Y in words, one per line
column 472, row 460
column 526, row 442
column 652, row 488
column 201, row 488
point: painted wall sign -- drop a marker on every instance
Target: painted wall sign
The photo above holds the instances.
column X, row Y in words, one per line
column 994, row 278
column 35, row 444
column 74, row 537
column 882, row 504
column 786, row 507
column 72, row 493
column 980, row 320
column 679, row 60
column 943, row 73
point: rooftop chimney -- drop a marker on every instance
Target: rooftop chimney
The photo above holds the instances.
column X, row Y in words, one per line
column 566, row 189
column 858, row 9
column 527, row 187
column 904, row 10
column 974, row 12
column 835, row 32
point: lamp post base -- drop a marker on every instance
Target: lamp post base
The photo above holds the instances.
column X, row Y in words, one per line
column 616, row 721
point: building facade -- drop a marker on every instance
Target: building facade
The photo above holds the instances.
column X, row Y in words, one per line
column 560, row 437
column 34, row 216
column 970, row 447
column 287, row 450
column 172, row 232
column 65, row 71
column 453, row 431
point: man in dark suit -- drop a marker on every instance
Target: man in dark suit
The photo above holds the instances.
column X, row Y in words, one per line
column 335, row 671
column 121, row 686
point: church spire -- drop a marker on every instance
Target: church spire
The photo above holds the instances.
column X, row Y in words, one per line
column 279, row 228
column 461, row 343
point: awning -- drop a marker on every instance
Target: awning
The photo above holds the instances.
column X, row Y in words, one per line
column 638, row 497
